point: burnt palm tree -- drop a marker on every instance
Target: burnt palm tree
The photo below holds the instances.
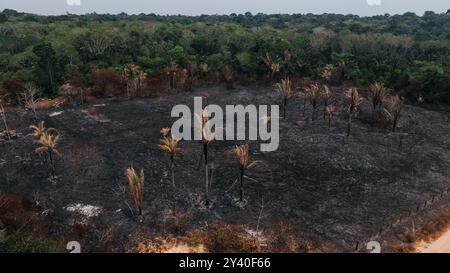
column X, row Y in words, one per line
column 136, row 185
column 394, row 110
column 327, row 72
column 169, row 145
column 165, row 131
column 378, row 93
column 47, row 143
column 242, row 154
column 355, row 101
column 207, row 136
column 313, row 96
column 285, row 89
column 39, row 129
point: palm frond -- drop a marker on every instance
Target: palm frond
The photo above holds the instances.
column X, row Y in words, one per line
column 136, row 185
column 169, row 145
column 285, row 88
column 354, row 99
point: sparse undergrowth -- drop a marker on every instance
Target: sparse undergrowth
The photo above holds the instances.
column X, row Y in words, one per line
column 412, row 238
column 21, row 229
column 229, row 238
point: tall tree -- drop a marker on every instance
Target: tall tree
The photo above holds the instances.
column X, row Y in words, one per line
column 45, row 68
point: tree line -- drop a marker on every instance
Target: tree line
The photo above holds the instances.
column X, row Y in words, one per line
column 109, row 54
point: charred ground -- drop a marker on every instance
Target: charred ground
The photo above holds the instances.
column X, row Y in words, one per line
column 336, row 191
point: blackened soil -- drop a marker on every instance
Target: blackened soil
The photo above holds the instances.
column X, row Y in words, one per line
column 336, row 191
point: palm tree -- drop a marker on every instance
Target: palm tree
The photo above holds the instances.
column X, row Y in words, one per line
column 207, row 138
column 313, row 96
column 394, row 109
column 272, row 65
column 242, row 154
column 355, row 101
column 327, row 72
column 136, row 184
column 377, row 95
column 286, row 91
column 48, row 144
column 134, row 77
column 169, row 145
column 165, row 131
column 39, row 129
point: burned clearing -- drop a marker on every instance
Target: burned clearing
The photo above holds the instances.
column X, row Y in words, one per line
column 336, row 191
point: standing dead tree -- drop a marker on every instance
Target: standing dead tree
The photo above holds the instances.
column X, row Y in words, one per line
column 208, row 136
column 47, row 144
column 242, row 154
column 30, row 96
column 136, row 185
column 355, row 101
column 285, row 89
column 169, row 145
column 313, row 95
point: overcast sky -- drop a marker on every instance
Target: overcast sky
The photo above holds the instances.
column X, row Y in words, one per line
column 197, row 7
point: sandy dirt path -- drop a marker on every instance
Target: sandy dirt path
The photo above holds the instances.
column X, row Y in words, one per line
column 441, row 245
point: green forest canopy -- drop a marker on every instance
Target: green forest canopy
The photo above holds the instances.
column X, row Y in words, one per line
column 409, row 53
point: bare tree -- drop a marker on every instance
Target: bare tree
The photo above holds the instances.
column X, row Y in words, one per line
column 30, row 97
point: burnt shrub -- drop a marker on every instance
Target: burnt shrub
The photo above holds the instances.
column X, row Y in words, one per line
column 106, row 82
column 11, row 89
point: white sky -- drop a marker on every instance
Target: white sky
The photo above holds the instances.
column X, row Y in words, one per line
column 197, row 7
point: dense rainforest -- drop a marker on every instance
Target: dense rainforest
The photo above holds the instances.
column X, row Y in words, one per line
column 408, row 53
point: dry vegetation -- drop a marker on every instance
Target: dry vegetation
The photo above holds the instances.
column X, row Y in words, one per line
column 136, row 185
column 228, row 238
column 413, row 238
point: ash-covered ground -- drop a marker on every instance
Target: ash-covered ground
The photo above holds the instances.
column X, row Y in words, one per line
column 338, row 192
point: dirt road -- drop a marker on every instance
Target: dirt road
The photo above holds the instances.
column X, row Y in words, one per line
column 441, row 245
